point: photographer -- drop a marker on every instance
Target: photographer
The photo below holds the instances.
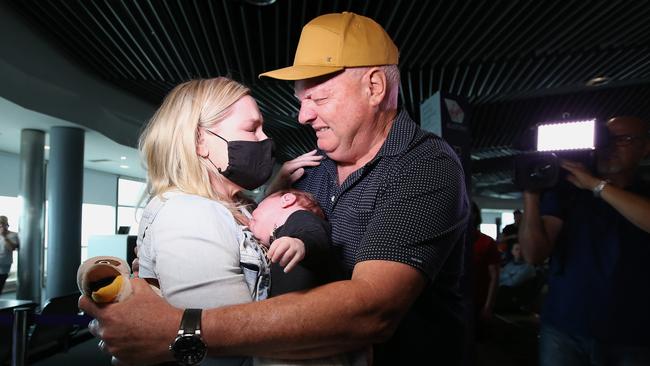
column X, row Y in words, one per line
column 597, row 234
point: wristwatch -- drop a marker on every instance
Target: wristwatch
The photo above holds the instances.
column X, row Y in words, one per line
column 598, row 189
column 188, row 348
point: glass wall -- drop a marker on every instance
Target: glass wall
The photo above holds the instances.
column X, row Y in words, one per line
column 490, row 219
column 95, row 220
column 130, row 200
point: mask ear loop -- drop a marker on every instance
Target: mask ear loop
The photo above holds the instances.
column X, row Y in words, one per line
column 208, row 156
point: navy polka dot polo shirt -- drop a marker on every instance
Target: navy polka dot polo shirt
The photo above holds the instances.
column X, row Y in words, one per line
column 407, row 205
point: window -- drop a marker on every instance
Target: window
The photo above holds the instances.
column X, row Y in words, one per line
column 95, row 220
column 127, row 216
column 489, row 230
column 507, row 218
column 130, row 195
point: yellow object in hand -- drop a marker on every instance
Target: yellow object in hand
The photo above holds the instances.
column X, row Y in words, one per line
column 109, row 292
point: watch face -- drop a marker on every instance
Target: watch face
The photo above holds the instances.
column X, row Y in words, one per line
column 189, row 349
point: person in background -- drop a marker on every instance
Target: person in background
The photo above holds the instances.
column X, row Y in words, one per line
column 518, row 285
column 516, row 271
column 596, row 230
column 486, row 261
column 8, row 243
column 509, row 237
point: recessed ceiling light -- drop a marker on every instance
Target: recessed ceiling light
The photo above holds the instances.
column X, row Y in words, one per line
column 260, row 2
column 122, row 157
column 124, row 166
column 46, row 147
column 598, row 81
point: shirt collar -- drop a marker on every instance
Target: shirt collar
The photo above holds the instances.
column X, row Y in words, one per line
column 399, row 136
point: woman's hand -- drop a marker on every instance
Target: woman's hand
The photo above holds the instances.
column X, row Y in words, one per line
column 137, row 330
column 293, row 170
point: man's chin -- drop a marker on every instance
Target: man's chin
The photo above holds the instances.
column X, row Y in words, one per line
column 325, row 147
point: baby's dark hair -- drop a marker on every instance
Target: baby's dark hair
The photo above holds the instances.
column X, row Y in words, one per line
column 303, row 199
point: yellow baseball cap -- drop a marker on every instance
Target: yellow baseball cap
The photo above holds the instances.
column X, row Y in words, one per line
column 332, row 42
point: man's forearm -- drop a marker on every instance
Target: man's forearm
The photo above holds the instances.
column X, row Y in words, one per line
column 319, row 324
column 335, row 318
column 492, row 289
column 633, row 207
column 532, row 235
column 331, row 319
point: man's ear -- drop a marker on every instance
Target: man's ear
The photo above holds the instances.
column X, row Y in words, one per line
column 377, row 86
column 287, row 200
column 201, row 146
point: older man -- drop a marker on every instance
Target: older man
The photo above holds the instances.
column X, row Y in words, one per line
column 597, row 233
column 396, row 199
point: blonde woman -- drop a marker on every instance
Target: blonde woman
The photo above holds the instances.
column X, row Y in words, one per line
column 203, row 146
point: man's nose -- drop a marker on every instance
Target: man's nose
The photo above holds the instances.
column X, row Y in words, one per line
column 306, row 115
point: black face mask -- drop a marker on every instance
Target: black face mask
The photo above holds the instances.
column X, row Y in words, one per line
column 250, row 163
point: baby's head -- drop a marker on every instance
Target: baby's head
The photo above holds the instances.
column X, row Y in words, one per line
column 274, row 210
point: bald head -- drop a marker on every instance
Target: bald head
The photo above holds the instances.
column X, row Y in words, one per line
column 633, row 124
column 629, row 144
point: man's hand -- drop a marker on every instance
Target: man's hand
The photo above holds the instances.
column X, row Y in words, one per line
column 135, row 266
column 579, row 175
column 287, row 251
column 293, row 170
column 137, row 330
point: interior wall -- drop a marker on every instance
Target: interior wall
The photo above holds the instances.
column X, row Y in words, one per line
column 99, row 187
column 9, row 184
column 499, row 204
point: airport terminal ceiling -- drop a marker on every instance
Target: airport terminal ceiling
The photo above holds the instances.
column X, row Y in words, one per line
column 517, row 63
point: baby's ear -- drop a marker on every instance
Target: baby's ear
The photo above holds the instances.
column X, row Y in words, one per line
column 287, row 199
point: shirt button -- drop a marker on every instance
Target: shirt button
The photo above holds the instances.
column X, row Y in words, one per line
column 333, row 198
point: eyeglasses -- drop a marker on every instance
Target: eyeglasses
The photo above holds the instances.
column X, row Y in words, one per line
column 623, row 140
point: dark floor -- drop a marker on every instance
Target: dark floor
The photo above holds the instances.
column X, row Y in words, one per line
column 83, row 354
column 510, row 340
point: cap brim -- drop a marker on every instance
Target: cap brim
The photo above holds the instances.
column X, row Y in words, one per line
column 301, row 72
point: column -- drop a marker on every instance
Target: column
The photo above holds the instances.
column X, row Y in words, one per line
column 32, row 193
column 65, row 194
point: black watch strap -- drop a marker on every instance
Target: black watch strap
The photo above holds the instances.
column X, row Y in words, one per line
column 191, row 321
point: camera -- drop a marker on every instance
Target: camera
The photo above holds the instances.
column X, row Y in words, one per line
column 544, row 145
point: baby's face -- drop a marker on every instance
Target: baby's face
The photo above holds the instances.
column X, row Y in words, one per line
column 265, row 218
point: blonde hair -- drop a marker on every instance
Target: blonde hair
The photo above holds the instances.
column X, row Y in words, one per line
column 168, row 143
